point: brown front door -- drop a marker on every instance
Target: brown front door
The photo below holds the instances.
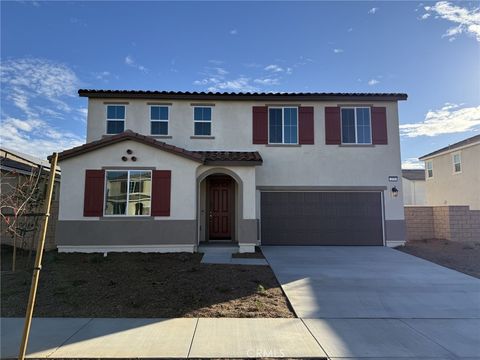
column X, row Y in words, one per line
column 220, row 208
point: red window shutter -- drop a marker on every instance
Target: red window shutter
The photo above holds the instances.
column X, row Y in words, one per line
column 379, row 125
column 260, row 125
column 305, row 125
column 161, row 189
column 332, row 126
column 93, row 196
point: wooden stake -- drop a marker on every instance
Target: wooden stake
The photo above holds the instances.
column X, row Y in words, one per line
column 38, row 259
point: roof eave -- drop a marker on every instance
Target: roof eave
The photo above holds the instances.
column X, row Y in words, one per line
column 240, row 96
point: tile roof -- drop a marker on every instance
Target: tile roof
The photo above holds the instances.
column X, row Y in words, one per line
column 413, row 174
column 470, row 140
column 128, row 135
column 205, row 157
column 231, row 157
column 193, row 95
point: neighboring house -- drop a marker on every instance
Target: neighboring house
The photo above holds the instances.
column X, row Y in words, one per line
column 413, row 181
column 453, row 174
column 16, row 168
column 167, row 171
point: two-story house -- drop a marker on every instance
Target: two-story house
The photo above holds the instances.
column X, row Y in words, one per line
column 167, row 171
column 453, row 174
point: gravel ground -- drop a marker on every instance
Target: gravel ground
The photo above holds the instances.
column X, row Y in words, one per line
column 142, row 285
column 460, row 256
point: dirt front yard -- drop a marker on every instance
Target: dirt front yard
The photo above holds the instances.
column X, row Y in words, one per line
column 142, row 285
column 463, row 257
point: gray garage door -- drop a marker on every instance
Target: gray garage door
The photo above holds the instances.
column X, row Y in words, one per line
column 321, row 218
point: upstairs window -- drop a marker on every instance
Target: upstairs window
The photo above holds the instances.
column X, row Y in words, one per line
column 283, row 125
column 128, row 192
column 457, row 163
column 159, row 120
column 202, row 118
column 115, row 119
column 429, row 167
column 356, row 125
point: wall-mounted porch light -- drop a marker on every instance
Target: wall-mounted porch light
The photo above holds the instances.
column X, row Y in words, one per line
column 394, row 191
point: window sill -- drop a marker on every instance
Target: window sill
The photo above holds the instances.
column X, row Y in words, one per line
column 207, row 137
column 283, row 145
column 161, row 136
column 356, row 145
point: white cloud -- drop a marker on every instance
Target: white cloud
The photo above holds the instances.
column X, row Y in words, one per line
column 373, row 10
column 372, row 82
column 412, row 163
column 266, row 81
column 447, row 120
column 38, row 88
column 241, row 84
column 132, row 63
column 36, row 137
column 273, row 68
column 338, row 51
column 425, row 16
column 233, row 32
column 466, row 20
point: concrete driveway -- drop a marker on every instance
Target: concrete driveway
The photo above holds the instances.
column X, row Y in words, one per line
column 379, row 302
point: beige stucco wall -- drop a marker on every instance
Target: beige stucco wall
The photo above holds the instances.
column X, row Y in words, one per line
column 413, row 192
column 183, row 177
column 307, row 165
column 449, row 188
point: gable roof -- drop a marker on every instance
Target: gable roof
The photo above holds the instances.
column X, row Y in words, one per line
column 413, row 174
column 203, row 157
column 470, row 140
column 128, row 135
column 193, row 95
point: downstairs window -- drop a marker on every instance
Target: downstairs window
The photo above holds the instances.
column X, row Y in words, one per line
column 128, row 192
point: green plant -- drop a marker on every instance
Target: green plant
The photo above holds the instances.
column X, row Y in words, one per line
column 261, row 289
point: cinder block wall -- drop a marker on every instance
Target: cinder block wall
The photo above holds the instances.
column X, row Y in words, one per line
column 455, row 223
column 419, row 222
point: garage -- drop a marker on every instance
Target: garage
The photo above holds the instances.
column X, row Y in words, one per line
column 321, row 218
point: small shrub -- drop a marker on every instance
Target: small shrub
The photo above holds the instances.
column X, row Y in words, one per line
column 261, row 289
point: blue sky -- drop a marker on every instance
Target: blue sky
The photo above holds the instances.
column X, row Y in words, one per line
column 430, row 50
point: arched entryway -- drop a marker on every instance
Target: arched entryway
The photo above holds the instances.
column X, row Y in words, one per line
column 219, row 210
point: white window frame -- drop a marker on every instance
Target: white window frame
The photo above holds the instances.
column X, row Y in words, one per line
column 128, row 193
column 203, row 121
column 427, row 169
column 167, row 121
column 124, row 118
column 459, row 162
column 283, row 125
column 355, row 117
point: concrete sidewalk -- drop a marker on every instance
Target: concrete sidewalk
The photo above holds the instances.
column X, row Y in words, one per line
column 161, row 338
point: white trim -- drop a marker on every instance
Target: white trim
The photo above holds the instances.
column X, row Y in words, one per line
column 283, row 125
column 167, row 121
column 395, row 243
column 454, row 163
column 426, row 169
column 355, row 118
column 128, row 193
column 107, row 119
column 246, row 248
column 203, row 121
column 126, row 248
